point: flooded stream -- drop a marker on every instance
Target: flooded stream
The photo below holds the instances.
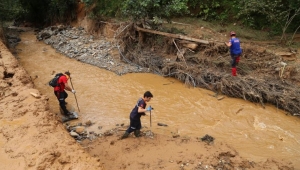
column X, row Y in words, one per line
column 105, row 98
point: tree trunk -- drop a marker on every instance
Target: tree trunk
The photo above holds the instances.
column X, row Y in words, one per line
column 172, row 35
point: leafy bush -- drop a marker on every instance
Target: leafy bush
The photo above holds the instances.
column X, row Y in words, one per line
column 141, row 9
column 101, row 8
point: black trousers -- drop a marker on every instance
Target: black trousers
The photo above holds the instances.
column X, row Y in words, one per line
column 135, row 124
column 235, row 60
column 61, row 97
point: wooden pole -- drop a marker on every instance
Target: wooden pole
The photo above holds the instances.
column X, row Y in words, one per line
column 74, row 94
column 150, row 119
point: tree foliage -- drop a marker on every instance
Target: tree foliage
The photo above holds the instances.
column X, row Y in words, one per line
column 100, row 8
column 141, row 9
column 277, row 16
column 49, row 11
column 9, row 10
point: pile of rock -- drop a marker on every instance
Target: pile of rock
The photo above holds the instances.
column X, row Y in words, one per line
column 79, row 132
column 75, row 42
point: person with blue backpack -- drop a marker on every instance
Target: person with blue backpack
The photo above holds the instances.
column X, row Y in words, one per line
column 136, row 113
column 60, row 84
column 235, row 51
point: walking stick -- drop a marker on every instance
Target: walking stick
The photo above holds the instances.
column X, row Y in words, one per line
column 150, row 118
column 74, row 94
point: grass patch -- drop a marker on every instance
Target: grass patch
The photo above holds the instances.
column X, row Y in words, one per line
column 219, row 28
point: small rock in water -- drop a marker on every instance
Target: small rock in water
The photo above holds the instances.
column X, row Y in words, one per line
column 161, row 124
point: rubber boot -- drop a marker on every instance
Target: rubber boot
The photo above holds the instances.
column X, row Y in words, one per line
column 126, row 134
column 137, row 133
column 233, row 71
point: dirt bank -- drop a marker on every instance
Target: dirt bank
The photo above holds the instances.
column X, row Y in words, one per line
column 172, row 152
column 31, row 137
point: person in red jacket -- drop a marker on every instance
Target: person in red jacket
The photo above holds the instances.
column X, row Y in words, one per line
column 235, row 51
column 61, row 94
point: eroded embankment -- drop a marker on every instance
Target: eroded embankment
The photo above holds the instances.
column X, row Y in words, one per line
column 207, row 66
column 31, row 137
column 263, row 76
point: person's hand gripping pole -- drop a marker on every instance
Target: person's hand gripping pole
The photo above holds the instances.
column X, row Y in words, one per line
column 149, row 109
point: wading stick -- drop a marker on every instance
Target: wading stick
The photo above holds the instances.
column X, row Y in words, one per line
column 74, row 94
column 150, row 118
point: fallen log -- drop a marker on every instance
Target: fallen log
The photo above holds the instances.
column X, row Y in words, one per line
column 172, row 35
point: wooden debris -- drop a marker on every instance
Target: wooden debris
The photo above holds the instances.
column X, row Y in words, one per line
column 172, row 35
column 180, row 54
column 188, row 44
column 288, row 56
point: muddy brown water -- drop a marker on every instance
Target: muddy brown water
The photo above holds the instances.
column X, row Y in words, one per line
column 105, row 98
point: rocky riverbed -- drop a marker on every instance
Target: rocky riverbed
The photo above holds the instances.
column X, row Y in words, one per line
column 75, row 42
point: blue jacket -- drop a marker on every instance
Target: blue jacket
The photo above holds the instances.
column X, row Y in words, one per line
column 235, row 47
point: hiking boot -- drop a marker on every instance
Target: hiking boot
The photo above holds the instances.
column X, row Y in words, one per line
column 69, row 114
column 137, row 133
column 126, row 134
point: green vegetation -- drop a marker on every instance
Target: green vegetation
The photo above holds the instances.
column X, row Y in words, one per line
column 104, row 8
column 9, row 9
column 149, row 9
column 276, row 17
column 37, row 11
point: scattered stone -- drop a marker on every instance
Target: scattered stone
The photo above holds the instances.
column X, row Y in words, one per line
column 35, row 95
column 208, row 139
column 75, row 42
column 221, row 97
column 74, row 134
column 161, row 124
column 176, row 135
column 88, row 123
column 108, row 133
column 80, row 129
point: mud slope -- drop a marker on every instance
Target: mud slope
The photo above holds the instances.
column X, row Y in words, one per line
column 30, row 136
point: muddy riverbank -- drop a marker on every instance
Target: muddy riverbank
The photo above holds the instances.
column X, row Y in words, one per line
column 100, row 106
column 32, row 137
